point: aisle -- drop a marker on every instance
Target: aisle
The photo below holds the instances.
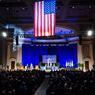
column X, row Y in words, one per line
column 42, row 89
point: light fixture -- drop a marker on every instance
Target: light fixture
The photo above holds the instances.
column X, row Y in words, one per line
column 89, row 33
column 4, row 34
column 23, row 8
column 7, row 8
column 73, row 7
column 47, row 34
column 90, row 6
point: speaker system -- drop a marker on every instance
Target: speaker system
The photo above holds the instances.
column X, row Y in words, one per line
column 17, row 40
column 80, row 39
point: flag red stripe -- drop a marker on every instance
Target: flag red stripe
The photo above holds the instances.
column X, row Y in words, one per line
column 49, row 25
column 54, row 23
column 46, row 26
column 42, row 18
column 39, row 19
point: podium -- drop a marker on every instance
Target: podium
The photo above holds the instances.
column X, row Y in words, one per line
column 49, row 64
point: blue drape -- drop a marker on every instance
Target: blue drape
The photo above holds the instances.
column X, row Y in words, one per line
column 33, row 54
column 66, row 53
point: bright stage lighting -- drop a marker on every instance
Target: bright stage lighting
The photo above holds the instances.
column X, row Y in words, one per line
column 4, row 34
column 90, row 33
column 47, row 34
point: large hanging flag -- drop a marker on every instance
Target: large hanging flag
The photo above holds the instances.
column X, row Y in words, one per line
column 44, row 18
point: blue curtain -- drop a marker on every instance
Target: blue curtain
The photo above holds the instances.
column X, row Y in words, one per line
column 33, row 54
column 67, row 53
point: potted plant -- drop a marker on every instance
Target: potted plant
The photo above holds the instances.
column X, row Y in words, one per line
column 81, row 66
column 17, row 65
column 57, row 64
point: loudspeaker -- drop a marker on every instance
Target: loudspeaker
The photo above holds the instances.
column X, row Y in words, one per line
column 80, row 39
column 17, row 40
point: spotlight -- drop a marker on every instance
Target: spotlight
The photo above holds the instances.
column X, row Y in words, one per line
column 73, row 7
column 90, row 6
column 4, row 34
column 7, row 9
column 47, row 34
column 90, row 33
column 23, row 8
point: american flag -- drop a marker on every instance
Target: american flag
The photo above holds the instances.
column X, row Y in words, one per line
column 44, row 18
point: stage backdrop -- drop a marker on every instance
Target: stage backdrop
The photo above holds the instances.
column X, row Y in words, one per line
column 66, row 55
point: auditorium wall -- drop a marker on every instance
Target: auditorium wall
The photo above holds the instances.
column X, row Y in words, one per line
column 85, row 55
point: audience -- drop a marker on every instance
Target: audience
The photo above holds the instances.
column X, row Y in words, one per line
column 60, row 82
column 20, row 82
column 71, row 83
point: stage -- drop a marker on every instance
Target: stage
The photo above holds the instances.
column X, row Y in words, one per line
column 64, row 55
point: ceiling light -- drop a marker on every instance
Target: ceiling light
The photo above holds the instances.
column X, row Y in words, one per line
column 23, row 8
column 90, row 33
column 73, row 6
column 7, row 8
column 4, row 34
column 90, row 6
column 47, row 34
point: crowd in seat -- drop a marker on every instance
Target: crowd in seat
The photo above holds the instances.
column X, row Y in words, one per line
column 20, row 82
column 71, row 83
column 60, row 82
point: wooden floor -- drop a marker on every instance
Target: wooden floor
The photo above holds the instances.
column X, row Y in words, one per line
column 42, row 89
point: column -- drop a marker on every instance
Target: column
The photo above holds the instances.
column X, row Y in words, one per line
column 8, row 56
column 19, row 54
column 80, row 54
column 91, row 57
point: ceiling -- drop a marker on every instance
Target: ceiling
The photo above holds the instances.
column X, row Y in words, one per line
column 77, row 14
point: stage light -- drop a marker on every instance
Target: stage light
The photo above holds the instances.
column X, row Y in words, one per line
column 90, row 6
column 47, row 34
column 73, row 7
column 7, row 9
column 90, row 33
column 23, row 8
column 4, row 34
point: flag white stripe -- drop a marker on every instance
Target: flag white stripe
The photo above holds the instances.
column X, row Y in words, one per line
column 36, row 18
